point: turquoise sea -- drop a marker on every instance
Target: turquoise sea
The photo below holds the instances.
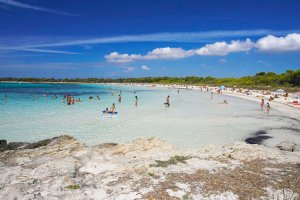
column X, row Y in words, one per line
column 192, row 120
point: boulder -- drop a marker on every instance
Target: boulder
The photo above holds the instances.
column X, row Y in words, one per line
column 287, row 146
column 3, row 145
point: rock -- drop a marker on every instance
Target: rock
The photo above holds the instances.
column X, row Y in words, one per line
column 16, row 145
column 287, row 146
column 3, row 145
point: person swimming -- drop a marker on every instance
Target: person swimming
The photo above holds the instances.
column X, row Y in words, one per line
column 224, row 102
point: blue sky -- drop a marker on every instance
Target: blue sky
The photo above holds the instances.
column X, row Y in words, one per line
column 134, row 38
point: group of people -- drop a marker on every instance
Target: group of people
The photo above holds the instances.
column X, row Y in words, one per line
column 262, row 105
column 70, row 100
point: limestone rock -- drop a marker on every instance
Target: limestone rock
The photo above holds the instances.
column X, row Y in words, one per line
column 287, row 146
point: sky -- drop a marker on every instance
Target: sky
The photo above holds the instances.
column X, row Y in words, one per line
column 141, row 38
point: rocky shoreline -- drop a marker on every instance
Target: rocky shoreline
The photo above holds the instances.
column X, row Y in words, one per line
column 64, row 168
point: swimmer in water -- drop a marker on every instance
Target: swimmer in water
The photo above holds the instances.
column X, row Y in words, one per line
column 136, row 101
column 5, row 96
column 120, row 99
column 224, row 102
column 262, row 104
column 268, row 108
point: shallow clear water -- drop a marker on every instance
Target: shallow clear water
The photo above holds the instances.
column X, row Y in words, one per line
column 192, row 120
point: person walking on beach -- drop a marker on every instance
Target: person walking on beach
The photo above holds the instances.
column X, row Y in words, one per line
column 262, row 104
column 268, row 108
column 136, row 101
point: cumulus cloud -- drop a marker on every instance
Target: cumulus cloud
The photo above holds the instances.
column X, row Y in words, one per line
column 144, row 67
column 223, row 48
column 158, row 53
column 270, row 43
column 121, row 58
column 218, row 48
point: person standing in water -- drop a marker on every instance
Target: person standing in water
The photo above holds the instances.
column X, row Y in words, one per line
column 268, row 108
column 211, row 95
column 262, row 104
column 120, row 98
column 168, row 101
column 136, row 101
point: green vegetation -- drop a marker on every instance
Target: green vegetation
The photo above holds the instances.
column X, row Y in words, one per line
column 172, row 161
column 263, row 80
column 153, row 175
column 73, row 187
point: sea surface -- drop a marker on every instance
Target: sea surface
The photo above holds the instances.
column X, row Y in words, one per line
column 193, row 119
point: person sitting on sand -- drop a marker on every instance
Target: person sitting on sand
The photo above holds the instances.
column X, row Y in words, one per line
column 268, row 108
column 262, row 104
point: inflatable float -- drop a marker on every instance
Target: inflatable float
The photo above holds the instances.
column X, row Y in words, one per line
column 109, row 114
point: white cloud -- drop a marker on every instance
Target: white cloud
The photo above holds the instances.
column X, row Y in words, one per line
column 158, row 53
column 128, row 69
column 270, row 43
column 121, row 58
column 32, row 7
column 144, row 67
column 215, row 49
column 223, row 48
column 222, row 61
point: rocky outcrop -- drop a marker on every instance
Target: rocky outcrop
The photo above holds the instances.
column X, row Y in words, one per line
column 24, row 145
column 63, row 168
column 287, row 146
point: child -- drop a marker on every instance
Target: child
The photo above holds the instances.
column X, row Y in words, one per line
column 268, row 108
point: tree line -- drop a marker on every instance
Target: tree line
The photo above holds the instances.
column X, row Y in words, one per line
column 290, row 78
